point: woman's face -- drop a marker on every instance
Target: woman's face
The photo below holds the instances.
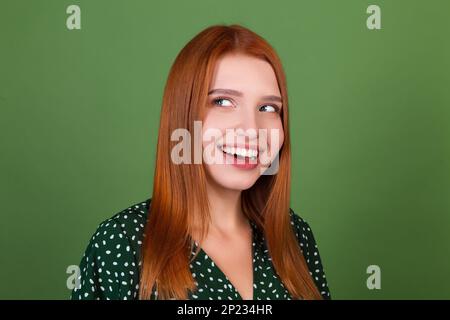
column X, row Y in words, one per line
column 242, row 129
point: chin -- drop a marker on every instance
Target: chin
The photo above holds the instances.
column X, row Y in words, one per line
column 237, row 185
column 234, row 179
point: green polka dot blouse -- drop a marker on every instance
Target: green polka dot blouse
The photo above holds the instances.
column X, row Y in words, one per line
column 109, row 268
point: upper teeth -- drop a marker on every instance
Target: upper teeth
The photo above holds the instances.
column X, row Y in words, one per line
column 240, row 151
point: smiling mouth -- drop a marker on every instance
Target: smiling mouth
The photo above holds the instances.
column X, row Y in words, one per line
column 239, row 153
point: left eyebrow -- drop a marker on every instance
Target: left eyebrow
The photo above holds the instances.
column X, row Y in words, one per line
column 240, row 94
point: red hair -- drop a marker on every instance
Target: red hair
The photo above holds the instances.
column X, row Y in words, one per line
column 167, row 241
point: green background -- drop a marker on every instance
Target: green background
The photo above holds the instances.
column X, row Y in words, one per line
column 369, row 113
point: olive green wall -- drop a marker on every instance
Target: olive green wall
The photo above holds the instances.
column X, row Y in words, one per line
column 369, row 122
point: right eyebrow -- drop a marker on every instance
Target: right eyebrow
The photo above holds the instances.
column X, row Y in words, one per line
column 227, row 91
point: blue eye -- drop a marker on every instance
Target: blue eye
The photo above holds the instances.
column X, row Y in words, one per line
column 218, row 100
column 269, row 108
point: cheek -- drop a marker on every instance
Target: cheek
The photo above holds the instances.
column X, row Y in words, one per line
column 275, row 130
column 211, row 126
column 281, row 138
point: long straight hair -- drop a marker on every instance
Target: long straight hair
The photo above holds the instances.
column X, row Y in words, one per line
column 179, row 191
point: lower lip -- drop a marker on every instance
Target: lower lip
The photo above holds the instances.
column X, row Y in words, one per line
column 240, row 164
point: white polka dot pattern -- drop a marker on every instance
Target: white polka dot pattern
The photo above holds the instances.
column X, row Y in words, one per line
column 111, row 262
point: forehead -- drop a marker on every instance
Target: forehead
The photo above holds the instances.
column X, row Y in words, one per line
column 244, row 73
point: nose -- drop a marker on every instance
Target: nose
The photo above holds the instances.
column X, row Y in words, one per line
column 247, row 126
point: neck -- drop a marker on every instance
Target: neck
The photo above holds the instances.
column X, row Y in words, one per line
column 225, row 208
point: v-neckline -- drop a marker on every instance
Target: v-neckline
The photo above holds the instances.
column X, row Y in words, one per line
column 203, row 252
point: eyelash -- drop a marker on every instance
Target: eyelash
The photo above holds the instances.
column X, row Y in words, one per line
column 277, row 108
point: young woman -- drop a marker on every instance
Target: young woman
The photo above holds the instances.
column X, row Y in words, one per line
column 213, row 229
